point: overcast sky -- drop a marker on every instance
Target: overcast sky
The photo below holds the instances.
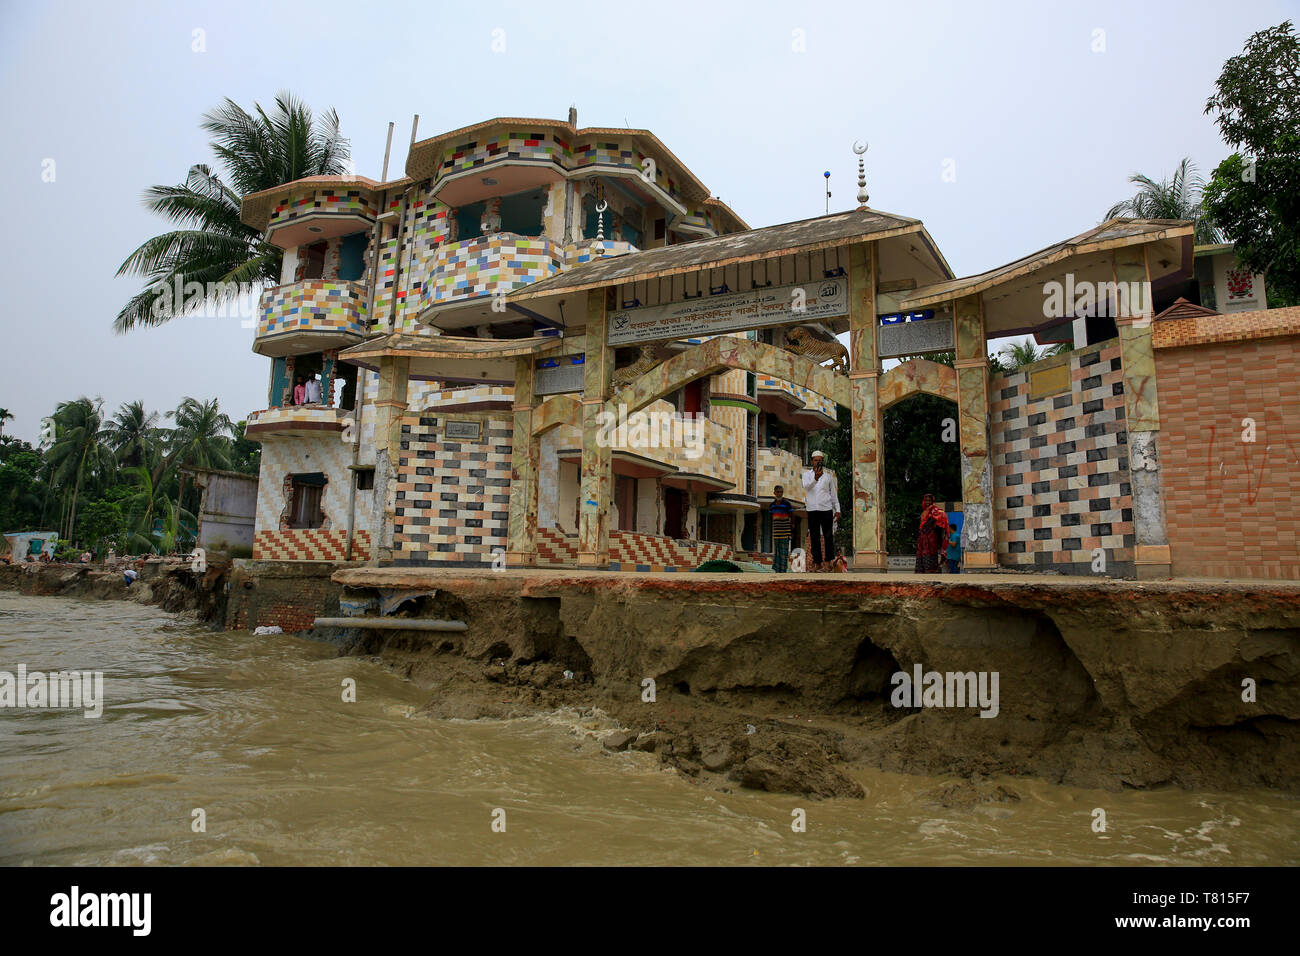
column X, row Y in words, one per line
column 1041, row 129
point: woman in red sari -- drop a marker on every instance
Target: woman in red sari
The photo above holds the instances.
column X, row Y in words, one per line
column 932, row 542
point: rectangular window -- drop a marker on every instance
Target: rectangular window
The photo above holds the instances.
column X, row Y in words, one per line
column 315, row 265
column 352, row 256
column 365, row 479
column 304, row 502
column 469, row 221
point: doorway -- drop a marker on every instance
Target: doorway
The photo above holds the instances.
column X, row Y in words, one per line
column 674, row 513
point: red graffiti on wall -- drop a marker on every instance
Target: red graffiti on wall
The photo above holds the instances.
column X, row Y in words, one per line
column 1257, row 457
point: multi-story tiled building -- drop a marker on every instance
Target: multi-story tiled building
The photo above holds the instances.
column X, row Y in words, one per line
column 483, row 211
column 550, row 345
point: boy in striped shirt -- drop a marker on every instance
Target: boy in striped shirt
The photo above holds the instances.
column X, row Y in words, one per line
column 781, row 511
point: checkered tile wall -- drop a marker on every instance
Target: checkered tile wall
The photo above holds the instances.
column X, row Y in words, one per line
column 453, row 497
column 1060, row 466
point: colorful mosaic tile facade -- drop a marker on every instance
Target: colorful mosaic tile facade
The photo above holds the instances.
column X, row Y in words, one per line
column 482, row 266
column 283, row 457
column 588, row 250
column 779, row 467
column 617, row 152
column 453, row 496
column 1060, row 464
column 329, row 202
column 522, row 145
column 310, row 544
column 321, row 415
column 314, row 305
column 811, row 400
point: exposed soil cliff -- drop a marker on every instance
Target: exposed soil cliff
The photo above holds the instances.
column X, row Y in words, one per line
column 778, row 684
column 170, row 584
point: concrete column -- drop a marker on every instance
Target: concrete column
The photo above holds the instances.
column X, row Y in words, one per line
column 869, row 552
column 973, row 414
column 525, row 456
column 597, row 474
column 390, row 405
column 1141, row 412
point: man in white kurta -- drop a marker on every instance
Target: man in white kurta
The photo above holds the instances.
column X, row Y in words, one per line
column 822, row 499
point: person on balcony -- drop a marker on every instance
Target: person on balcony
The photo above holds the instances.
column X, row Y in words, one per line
column 312, row 391
column 822, row 499
column 300, row 392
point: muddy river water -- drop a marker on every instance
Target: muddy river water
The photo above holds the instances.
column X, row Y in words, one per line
column 255, row 733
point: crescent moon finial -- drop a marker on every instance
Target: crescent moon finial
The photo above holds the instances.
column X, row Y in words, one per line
column 602, row 206
column 859, row 149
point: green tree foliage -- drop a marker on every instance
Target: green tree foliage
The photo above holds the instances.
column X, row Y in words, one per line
column 1178, row 197
column 918, row 461
column 101, row 525
column 131, row 433
column 1254, row 194
column 80, row 453
column 117, row 481
column 258, row 150
column 21, row 490
column 245, row 454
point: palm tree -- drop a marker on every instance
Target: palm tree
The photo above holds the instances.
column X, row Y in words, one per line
column 202, row 438
column 80, row 450
column 1176, row 198
column 132, row 432
column 1019, row 353
column 202, row 434
column 5, row 416
column 212, row 246
column 149, row 505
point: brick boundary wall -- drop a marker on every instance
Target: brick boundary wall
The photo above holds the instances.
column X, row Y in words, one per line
column 1230, row 505
column 285, row 594
column 1218, row 329
column 1060, row 465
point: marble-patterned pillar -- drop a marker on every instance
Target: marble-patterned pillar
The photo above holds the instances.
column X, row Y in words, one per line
column 597, row 463
column 525, row 456
column 869, row 553
column 1151, row 555
column 389, row 406
column 973, row 420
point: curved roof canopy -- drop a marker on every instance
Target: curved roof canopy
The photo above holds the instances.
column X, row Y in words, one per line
column 1014, row 294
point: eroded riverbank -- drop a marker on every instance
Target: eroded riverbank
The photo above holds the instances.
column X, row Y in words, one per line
column 785, row 685
column 781, row 683
column 254, row 732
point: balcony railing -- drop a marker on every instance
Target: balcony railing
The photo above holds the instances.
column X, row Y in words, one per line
column 486, row 265
column 300, row 420
column 697, row 446
column 779, row 467
column 312, row 315
column 802, row 400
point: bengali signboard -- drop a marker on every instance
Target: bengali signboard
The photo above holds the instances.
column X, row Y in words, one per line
column 916, row 337
column 738, row 311
column 461, row 430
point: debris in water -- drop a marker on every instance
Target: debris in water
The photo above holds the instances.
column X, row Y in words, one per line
column 268, row 629
column 568, row 675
